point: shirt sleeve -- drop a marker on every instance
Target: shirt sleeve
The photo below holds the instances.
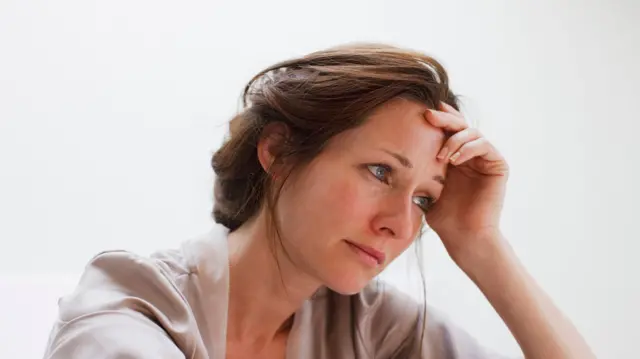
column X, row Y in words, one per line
column 124, row 307
column 111, row 335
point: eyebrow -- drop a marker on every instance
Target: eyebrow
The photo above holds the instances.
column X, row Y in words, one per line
column 406, row 163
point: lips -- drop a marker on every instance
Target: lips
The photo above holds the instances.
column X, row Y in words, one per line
column 379, row 256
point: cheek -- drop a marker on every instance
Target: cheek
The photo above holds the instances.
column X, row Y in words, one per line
column 347, row 201
column 326, row 203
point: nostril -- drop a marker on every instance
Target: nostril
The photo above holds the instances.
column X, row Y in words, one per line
column 389, row 231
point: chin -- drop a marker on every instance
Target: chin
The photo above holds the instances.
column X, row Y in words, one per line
column 344, row 290
column 348, row 284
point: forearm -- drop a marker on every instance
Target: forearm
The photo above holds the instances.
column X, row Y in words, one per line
column 539, row 327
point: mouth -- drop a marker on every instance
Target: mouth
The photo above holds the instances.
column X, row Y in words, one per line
column 370, row 255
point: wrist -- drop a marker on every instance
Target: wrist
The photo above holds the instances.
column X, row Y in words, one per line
column 479, row 251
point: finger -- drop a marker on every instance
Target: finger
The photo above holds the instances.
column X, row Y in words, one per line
column 446, row 121
column 480, row 147
column 445, row 107
column 456, row 141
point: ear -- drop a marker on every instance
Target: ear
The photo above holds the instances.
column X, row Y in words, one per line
column 271, row 144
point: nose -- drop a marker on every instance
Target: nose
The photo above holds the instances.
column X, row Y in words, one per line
column 395, row 218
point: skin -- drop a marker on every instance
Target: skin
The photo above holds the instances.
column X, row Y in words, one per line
column 382, row 177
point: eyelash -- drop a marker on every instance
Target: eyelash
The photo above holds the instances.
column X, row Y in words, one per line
column 371, row 167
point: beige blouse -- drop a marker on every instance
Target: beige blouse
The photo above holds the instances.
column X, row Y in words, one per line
column 173, row 305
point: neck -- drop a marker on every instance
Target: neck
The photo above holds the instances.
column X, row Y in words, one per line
column 266, row 289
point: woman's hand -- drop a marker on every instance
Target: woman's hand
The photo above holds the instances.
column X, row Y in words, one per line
column 468, row 211
column 467, row 216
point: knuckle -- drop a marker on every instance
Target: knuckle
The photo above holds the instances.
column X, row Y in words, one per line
column 483, row 141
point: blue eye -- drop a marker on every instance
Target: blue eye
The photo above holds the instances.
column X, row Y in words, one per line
column 425, row 203
column 380, row 172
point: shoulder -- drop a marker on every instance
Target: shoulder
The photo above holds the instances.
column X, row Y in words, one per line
column 114, row 280
column 396, row 325
column 124, row 304
column 111, row 335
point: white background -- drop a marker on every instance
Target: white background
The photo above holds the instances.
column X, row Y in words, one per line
column 109, row 112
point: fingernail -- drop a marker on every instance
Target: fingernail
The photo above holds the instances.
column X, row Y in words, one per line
column 443, row 152
column 454, row 157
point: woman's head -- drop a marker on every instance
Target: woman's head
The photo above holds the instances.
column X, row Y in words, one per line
column 334, row 148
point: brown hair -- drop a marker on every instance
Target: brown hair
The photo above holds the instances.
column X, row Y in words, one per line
column 316, row 96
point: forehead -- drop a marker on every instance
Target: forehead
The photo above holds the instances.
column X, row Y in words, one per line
column 398, row 125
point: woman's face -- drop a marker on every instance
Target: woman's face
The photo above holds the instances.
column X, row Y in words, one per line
column 359, row 204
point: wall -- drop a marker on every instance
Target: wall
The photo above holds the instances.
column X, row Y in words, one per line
column 109, row 112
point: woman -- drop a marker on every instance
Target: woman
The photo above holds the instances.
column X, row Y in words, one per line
column 330, row 169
